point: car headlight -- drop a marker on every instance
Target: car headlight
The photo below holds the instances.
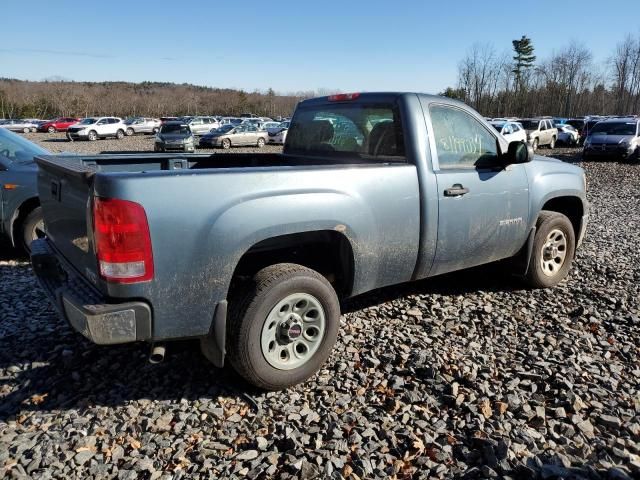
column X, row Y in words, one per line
column 623, row 143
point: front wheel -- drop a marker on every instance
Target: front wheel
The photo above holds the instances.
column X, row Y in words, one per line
column 226, row 144
column 553, row 250
column 129, row 131
column 260, row 142
column 553, row 143
column 32, row 228
column 283, row 326
column 534, row 144
column 120, row 134
column 51, row 129
column 26, row 130
column 93, row 136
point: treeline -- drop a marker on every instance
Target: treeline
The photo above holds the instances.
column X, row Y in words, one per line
column 46, row 99
column 568, row 83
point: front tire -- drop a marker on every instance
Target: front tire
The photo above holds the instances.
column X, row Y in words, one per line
column 130, row 131
column 260, row 142
column 552, row 145
column 26, row 129
column 226, row 144
column 282, row 326
column 553, row 250
column 32, row 228
column 93, row 136
column 534, row 144
column 51, row 129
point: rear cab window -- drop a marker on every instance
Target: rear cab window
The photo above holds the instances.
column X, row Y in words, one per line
column 364, row 131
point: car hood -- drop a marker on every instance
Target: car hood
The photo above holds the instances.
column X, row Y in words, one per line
column 609, row 139
column 81, row 127
column 167, row 136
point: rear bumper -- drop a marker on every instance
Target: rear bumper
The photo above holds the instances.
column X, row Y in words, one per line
column 86, row 310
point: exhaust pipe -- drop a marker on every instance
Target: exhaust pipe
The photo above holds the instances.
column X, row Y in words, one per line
column 157, row 354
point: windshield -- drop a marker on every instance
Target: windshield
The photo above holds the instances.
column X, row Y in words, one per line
column 88, row 121
column 175, row 129
column 130, row 121
column 530, row 124
column 14, row 148
column 224, row 128
column 614, row 128
column 357, row 130
column 284, row 125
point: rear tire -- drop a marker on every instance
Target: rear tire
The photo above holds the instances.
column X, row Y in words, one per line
column 226, row 144
column 260, row 142
column 553, row 250
column 534, row 144
column 26, row 129
column 552, row 145
column 120, row 134
column 130, row 131
column 274, row 341
column 32, row 228
column 51, row 129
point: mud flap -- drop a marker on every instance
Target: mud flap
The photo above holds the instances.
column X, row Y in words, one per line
column 213, row 347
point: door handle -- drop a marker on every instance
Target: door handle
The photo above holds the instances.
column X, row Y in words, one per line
column 456, row 190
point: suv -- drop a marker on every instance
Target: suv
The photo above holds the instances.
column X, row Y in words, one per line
column 202, row 125
column 175, row 136
column 142, row 125
column 58, row 125
column 540, row 131
column 94, row 128
column 617, row 137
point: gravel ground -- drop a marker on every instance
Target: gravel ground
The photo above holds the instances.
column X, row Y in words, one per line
column 57, row 143
column 466, row 375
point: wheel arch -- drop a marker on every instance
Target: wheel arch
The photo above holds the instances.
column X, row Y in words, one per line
column 19, row 215
column 570, row 206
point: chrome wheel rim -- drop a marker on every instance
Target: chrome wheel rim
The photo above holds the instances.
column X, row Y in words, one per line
column 554, row 253
column 293, row 331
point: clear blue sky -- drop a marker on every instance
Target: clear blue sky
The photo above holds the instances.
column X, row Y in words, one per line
column 290, row 45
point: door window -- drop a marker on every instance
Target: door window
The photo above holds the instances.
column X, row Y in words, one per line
column 461, row 140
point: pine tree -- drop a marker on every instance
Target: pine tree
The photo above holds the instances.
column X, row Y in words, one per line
column 523, row 58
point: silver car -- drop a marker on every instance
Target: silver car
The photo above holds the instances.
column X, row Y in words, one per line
column 14, row 125
column 142, row 125
column 202, row 125
column 229, row 136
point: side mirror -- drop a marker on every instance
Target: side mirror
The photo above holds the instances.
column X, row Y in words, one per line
column 518, row 152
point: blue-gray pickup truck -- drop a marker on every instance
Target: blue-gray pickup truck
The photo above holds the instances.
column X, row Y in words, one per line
column 252, row 253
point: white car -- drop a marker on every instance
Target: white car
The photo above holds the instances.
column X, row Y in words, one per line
column 511, row 131
column 278, row 134
column 142, row 125
column 25, row 126
column 94, row 128
column 568, row 135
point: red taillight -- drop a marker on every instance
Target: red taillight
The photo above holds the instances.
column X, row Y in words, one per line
column 341, row 97
column 123, row 243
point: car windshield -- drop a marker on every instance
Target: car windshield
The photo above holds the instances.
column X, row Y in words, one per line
column 175, row 129
column 530, row 124
column 342, row 130
column 284, row 125
column 614, row 128
column 224, row 128
column 88, row 121
column 130, row 121
column 14, row 148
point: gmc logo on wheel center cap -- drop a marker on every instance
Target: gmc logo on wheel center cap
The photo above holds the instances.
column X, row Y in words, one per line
column 295, row 331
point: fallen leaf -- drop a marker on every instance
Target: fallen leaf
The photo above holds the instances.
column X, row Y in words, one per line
column 485, row 408
column 38, row 399
column 347, row 471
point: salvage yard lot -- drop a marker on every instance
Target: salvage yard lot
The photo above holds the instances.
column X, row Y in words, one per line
column 467, row 374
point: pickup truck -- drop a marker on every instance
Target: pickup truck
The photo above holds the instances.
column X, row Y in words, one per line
column 252, row 253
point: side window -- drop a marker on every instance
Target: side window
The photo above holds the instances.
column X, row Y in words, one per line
column 507, row 129
column 102, row 122
column 543, row 125
column 461, row 140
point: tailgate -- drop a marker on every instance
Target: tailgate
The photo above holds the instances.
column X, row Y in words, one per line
column 64, row 187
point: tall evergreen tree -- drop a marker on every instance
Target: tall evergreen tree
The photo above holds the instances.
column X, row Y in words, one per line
column 523, row 58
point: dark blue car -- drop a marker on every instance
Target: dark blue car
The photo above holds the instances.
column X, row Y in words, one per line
column 20, row 213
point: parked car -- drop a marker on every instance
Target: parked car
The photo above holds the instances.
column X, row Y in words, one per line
column 94, row 128
column 229, row 136
column 269, row 125
column 142, row 125
column 230, row 121
column 511, row 131
column 20, row 216
column 257, row 268
column 174, row 136
column 278, row 135
column 568, row 135
column 168, row 119
column 540, row 131
column 615, row 138
column 201, row 125
column 60, row 124
column 17, row 125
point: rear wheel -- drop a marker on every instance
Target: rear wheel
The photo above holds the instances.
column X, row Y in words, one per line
column 260, row 142
column 93, row 136
column 156, row 130
column 283, row 326
column 51, row 129
column 26, row 129
column 534, row 144
column 553, row 142
column 120, row 134
column 226, row 143
column 129, row 131
column 32, row 228
column 34, row 129
column 553, row 250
